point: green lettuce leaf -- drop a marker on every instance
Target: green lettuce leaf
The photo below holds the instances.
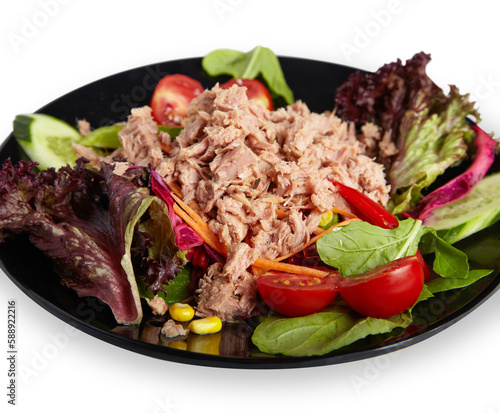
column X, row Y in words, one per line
column 260, row 61
column 321, row 333
column 438, row 285
column 429, row 143
column 359, row 247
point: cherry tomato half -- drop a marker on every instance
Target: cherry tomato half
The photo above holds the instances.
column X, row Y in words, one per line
column 255, row 90
column 425, row 268
column 385, row 291
column 171, row 98
column 296, row 295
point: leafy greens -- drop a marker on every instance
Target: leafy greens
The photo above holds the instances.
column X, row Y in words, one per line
column 86, row 222
column 259, row 61
column 428, row 129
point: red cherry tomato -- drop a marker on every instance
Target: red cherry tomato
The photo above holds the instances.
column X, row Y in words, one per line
column 366, row 208
column 171, row 98
column 385, row 291
column 425, row 268
column 296, row 295
column 255, row 90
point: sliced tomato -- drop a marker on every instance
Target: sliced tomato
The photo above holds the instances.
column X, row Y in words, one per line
column 423, row 264
column 296, row 295
column 255, row 90
column 171, row 98
column 366, row 208
column 385, row 291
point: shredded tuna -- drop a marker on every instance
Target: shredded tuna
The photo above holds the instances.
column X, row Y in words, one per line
column 139, row 138
column 158, row 305
column 240, row 163
column 171, row 329
column 83, row 127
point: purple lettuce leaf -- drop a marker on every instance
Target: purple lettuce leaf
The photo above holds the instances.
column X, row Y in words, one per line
column 461, row 185
column 81, row 219
column 427, row 127
column 185, row 236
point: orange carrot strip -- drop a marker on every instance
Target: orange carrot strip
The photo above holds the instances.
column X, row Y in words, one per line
column 290, row 268
column 343, row 212
column 315, row 238
column 175, row 188
column 190, row 211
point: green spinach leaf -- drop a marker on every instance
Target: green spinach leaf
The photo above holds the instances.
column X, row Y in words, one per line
column 359, row 246
column 438, row 285
column 259, row 61
column 322, row 332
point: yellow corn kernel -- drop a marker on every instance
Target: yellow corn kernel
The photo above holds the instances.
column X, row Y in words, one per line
column 180, row 345
column 181, row 312
column 208, row 344
column 208, row 325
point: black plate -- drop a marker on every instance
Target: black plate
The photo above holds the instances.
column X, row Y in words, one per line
column 109, row 100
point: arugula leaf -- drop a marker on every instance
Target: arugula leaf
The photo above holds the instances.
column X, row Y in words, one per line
column 259, row 61
column 322, row 332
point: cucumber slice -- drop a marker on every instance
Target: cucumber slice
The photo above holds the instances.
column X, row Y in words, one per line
column 105, row 137
column 479, row 209
column 46, row 140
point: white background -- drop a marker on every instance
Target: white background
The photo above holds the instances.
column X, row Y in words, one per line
column 49, row 51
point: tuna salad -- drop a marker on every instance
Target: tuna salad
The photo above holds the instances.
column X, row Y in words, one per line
column 210, row 205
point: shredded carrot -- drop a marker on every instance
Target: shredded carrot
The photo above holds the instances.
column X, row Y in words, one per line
column 343, row 212
column 257, row 271
column 166, row 148
column 290, row 268
column 175, row 188
column 315, row 238
column 194, row 214
column 195, row 221
column 203, row 231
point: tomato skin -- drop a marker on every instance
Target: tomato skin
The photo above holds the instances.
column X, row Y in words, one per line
column 385, row 291
column 171, row 98
column 366, row 208
column 255, row 90
column 295, row 300
column 425, row 268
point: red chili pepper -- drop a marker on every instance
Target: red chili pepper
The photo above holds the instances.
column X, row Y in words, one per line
column 366, row 208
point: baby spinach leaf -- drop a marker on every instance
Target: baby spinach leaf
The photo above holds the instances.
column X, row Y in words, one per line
column 438, row 285
column 259, row 61
column 359, row 246
column 322, row 332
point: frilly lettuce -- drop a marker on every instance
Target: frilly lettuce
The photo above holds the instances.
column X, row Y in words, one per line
column 86, row 222
column 427, row 127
